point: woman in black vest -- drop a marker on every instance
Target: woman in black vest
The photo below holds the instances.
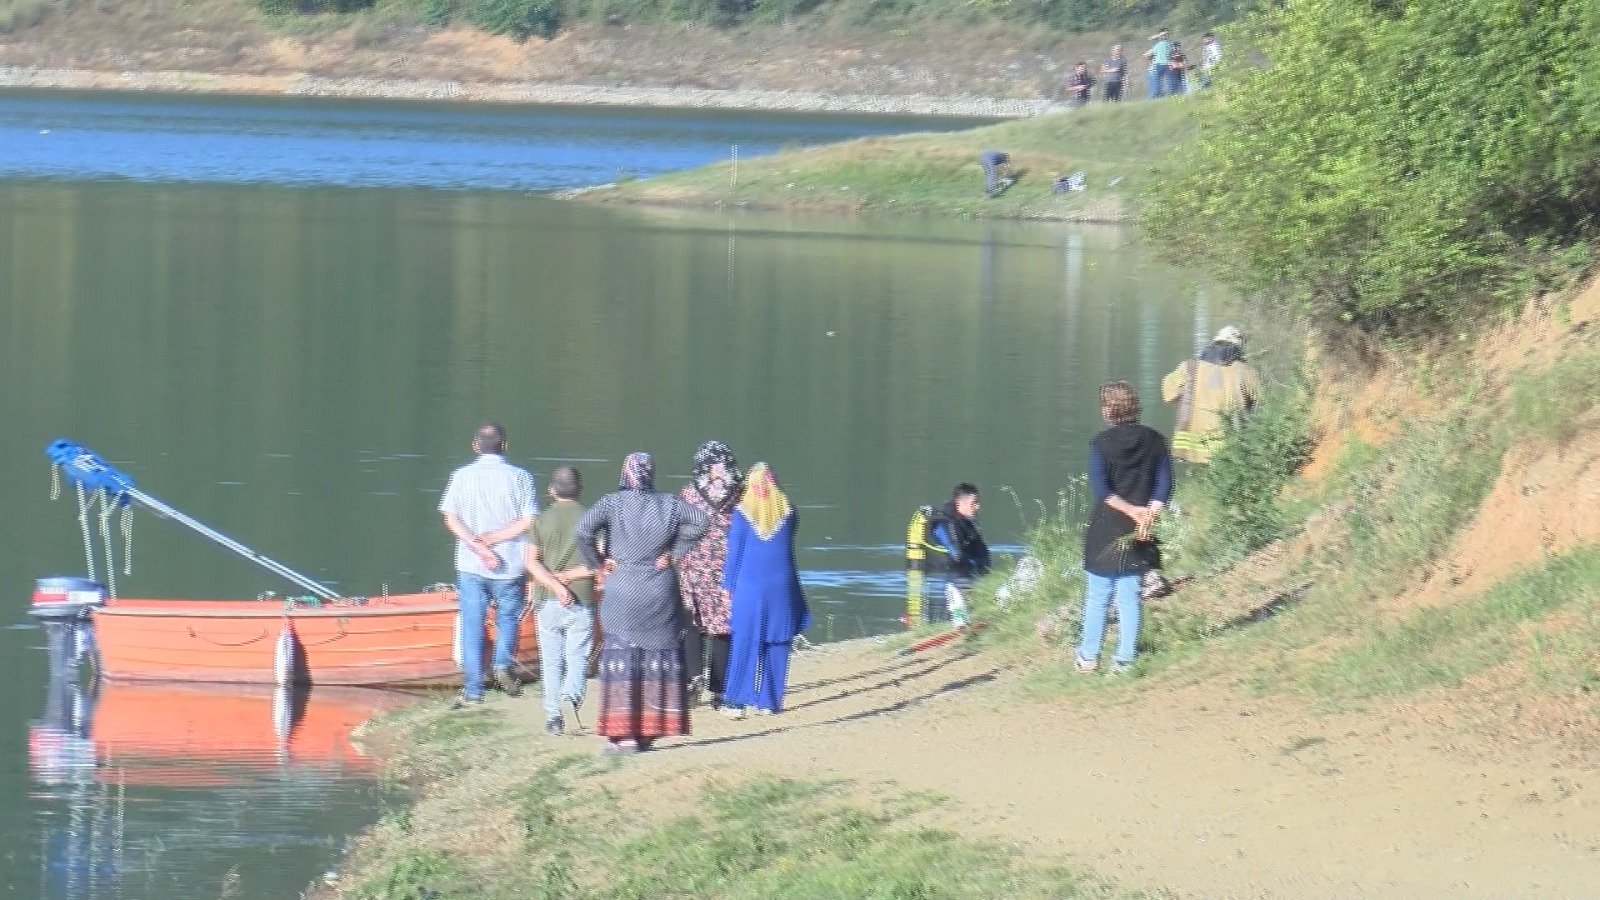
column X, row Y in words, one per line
column 1130, row 474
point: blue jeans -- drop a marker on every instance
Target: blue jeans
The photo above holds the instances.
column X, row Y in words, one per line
column 1158, row 81
column 477, row 593
column 566, row 636
column 1097, row 594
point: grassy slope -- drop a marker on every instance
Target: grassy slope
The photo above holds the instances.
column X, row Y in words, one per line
column 542, row 823
column 1117, row 147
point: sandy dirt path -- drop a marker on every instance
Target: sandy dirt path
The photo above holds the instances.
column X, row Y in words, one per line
column 1193, row 790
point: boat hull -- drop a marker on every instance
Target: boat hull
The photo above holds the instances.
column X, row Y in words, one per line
column 403, row 639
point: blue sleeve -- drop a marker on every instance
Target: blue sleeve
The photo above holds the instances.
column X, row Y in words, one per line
column 738, row 530
column 941, row 533
column 1163, row 486
column 1099, row 478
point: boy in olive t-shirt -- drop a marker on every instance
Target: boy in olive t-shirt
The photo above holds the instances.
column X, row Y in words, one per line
column 564, row 597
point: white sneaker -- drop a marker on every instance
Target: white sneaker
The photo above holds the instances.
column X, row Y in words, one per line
column 1085, row 666
column 733, row 712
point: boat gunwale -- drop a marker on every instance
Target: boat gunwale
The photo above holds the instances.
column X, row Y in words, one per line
column 252, row 612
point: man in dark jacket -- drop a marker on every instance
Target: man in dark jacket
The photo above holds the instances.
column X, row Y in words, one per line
column 966, row 556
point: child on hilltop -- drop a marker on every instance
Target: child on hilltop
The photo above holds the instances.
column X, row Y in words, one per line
column 1080, row 84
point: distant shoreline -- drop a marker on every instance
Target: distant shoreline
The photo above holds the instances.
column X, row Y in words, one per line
column 518, row 93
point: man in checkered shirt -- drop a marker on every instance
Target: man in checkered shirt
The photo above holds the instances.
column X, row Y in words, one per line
column 489, row 505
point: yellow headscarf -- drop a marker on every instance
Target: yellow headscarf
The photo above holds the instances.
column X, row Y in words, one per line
column 764, row 503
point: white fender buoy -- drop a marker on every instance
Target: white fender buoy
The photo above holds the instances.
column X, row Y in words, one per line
column 285, row 654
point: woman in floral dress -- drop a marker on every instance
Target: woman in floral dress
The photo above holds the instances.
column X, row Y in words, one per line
column 714, row 489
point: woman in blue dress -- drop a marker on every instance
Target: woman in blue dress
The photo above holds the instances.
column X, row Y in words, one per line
column 768, row 609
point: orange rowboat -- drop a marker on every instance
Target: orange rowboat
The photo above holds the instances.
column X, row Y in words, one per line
column 325, row 639
column 407, row 638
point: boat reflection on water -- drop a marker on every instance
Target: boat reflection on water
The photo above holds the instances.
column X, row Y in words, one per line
column 170, row 789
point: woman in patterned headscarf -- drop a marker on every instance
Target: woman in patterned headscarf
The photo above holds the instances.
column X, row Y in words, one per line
column 768, row 609
column 714, row 488
column 643, row 688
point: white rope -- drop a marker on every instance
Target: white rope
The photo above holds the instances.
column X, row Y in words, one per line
column 83, row 522
column 127, row 540
column 106, row 507
column 55, row 482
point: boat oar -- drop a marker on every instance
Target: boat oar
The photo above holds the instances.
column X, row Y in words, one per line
column 939, row 640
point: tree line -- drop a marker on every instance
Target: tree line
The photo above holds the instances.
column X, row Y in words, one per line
column 527, row 18
column 1397, row 166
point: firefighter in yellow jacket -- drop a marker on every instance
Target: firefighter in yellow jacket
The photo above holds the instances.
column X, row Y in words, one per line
column 1214, row 388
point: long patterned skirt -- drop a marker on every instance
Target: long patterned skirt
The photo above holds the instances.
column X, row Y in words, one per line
column 643, row 693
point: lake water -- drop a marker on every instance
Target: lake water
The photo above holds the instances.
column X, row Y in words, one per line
column 264, row 340
column 281, row 141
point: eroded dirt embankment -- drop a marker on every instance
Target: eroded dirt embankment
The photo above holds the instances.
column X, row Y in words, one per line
column 226, row 47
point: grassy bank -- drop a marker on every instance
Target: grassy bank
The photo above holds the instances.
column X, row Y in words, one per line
column 1117, row 147
column 1434, row 546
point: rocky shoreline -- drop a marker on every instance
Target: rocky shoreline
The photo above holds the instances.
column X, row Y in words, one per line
column 305, row 85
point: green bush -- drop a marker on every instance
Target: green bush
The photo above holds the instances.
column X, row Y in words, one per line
column 1244, row 482
column 521, row 18
column 16, row 15
column 1394, row 163
column 437, row 13
column 517, row 18
column 281, row 8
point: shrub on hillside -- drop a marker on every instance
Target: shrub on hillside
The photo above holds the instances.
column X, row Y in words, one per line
column 437, row 12
column 281, row 8
column 1396, row 166
column 1247, row 473
column 517, row 18
column 1235, row 505
column 16, row 15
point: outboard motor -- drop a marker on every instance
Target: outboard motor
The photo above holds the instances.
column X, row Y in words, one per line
column 64, row 603
column 66, row 597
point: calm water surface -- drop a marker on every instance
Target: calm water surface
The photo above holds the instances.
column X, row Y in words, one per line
column 388, row 143
column 301, row 366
